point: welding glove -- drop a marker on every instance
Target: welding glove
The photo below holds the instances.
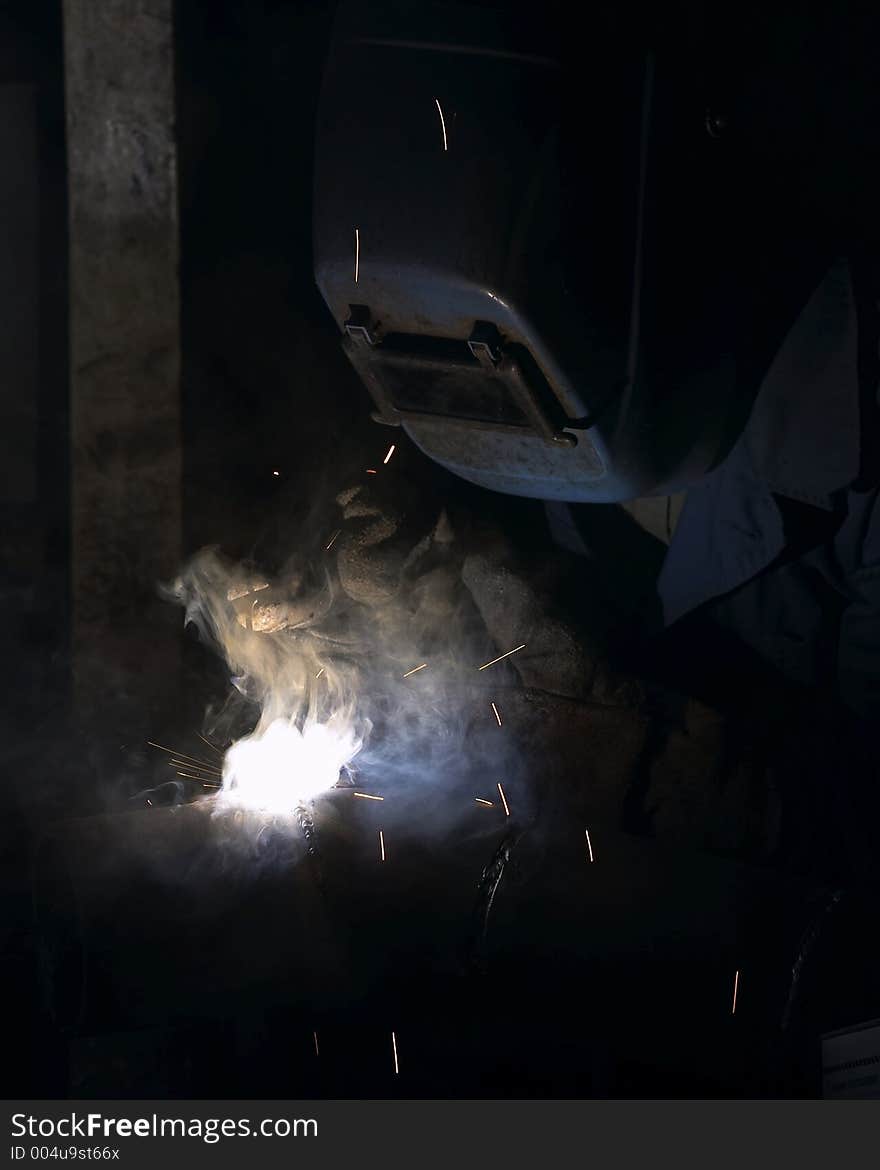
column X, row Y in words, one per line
column 395, row 553
column 382, row 545
column 288, row 603
column 376, row 545
column 563, row 655
column 385, row 558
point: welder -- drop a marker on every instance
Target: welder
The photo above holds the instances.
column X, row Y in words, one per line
column 634, row 276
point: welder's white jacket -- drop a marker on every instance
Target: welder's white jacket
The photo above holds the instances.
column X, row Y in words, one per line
column 781, row 542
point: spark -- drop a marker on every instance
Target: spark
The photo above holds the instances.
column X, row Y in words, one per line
column 276, row 472
column 357, row 253
column 394, row 1047
column 320, row 672
column 589, row 844
column 327, row 547
column 315, row 1038
column 188, row 762
column 503, row 799
column 149, row 803
column 487, row 803
column 372, row 471
column 497, row 714
column 735, row 989
column 367, row 796
column 188, row 770
column 204, row 783
column 381, row 845
column 390, row 453
column 500, row 656
column 415, row 670
column 442, row 123
column 196, row 767
column 210, row 745
column 174, row 752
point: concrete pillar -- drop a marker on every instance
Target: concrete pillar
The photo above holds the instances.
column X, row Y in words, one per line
column 124, row 346
column 22, row 551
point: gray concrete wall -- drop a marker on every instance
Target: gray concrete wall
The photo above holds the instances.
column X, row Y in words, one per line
column 124, row 343
column 22, row 536
column 19, row 309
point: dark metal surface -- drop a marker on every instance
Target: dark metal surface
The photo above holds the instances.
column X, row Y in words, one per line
column 144, row 916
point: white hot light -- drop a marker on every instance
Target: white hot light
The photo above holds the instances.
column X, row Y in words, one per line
column 281, row 768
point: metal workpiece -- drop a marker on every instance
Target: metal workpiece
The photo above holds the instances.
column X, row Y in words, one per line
column 434, row 898
column 144, row 915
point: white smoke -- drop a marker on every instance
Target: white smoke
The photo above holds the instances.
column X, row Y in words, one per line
column 331, row 678
column 308, row 726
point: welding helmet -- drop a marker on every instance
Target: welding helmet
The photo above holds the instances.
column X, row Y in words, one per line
column 528, row 249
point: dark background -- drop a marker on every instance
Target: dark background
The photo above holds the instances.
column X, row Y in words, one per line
column 266, row 388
